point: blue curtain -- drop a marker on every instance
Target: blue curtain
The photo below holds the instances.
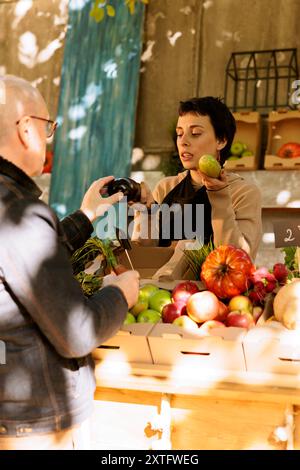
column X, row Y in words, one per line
column 97, row 106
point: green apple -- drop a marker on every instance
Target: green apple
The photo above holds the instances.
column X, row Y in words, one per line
column 159, row 299
column 146, row 291
column 185, row 322
column 237, row 148
column 129, row 319
column 142, row 304
column 149, row 316
column 233, row 157
column 209, row 166
column 247, row 153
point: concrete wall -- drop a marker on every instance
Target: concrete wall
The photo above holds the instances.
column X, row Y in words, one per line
column 187, row 46
column 32, row 36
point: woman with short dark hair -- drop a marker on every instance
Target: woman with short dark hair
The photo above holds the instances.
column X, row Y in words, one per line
column 231, row 205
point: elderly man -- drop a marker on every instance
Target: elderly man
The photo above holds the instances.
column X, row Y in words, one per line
column 48, row 326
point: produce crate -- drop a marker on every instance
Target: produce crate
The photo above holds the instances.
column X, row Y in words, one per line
column 128, row 345
column 283, row 127
column 146, row 260
column 178, row 347
column 248, row 132
column 271, row 347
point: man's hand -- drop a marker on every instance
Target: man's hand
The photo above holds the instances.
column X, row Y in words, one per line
column 214, row 184
column 93, row 204
column 128, row 282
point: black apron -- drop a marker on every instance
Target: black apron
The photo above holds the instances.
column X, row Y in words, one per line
column 189, row 217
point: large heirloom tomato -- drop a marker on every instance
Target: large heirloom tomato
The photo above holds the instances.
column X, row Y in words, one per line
column 289, row 150
column 226, row 271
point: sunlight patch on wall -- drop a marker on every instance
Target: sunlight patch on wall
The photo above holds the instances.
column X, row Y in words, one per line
column 49, row 51
column 186, row 10
column 207, row 4
column 147, row 54
column 173, row 37
column 56, row 81
column 283, row 197
column 28, row 51
column 20, row 11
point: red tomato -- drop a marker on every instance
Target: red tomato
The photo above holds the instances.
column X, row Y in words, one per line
column 289, row 150
column 226, row 271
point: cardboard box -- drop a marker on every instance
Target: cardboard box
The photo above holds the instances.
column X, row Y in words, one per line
column 283, row 127
column 270, row 347
column 248, row 131
column 146, row 260
column 128, row 345
column 174, row 346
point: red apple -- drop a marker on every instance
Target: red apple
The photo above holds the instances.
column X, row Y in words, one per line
column 170, row 312
column 207, row 326
column 181, row 305
column 185, row 322
column 240, row 302
column 203, row 306
column 240, row 319
column 184, row 290
column 223, row 312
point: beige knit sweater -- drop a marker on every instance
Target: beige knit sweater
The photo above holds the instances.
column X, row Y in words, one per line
column 236, row 211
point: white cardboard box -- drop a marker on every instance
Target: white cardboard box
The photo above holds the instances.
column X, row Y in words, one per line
column 128, row 345
column 272, row 348
column 175, row 346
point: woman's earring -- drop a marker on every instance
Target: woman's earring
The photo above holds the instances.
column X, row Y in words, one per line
column 218, row 155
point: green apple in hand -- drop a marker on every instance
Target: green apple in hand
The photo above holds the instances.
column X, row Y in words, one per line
column 149, row 316
column 159, row 299
column 209, row 166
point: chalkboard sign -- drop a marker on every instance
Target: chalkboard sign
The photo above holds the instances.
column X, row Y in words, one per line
column 287, row 233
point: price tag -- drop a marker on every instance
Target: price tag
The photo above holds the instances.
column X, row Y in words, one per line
column 287, row 233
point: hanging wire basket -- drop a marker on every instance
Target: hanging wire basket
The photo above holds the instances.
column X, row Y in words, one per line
column 261, row 80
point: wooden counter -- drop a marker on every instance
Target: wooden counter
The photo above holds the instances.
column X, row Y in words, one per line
column 156, row 407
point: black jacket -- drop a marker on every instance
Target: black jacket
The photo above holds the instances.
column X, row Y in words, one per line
column 47, row 325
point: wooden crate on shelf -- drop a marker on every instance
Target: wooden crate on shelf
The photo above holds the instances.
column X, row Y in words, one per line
column 283, row 127
column 248, row 131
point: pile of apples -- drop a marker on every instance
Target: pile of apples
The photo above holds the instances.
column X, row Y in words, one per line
column 190, row 308
column 239, row 149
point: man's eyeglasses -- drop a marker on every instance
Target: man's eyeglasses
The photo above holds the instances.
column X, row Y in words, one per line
column 50, row 125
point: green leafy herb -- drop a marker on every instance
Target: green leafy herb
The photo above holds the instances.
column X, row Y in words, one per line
column 90, row 283
column 90, row 250
column 196, row 258
column 291, row 260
